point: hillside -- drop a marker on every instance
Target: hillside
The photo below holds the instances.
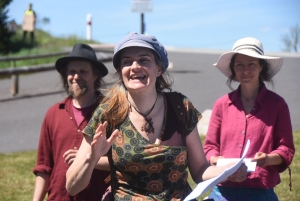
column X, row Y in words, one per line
column 44, row 43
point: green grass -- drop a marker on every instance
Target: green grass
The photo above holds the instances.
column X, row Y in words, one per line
column 44, row 43
column 17, row 179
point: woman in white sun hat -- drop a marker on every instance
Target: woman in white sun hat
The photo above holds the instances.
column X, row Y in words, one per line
column 250, row 112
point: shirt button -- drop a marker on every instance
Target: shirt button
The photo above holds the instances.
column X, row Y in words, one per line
column 243, row 132
column 181, row 113
column 240, row 146
column 78, row 130
column 254, row 108
column 178, row 106
column 71, row 118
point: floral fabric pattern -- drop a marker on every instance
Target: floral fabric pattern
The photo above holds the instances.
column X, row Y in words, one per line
column 142, row 170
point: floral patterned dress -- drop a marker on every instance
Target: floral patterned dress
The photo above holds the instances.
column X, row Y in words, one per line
column 142, row 170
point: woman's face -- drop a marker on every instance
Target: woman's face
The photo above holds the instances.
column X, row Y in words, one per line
column 139, row 69
column 247, row 69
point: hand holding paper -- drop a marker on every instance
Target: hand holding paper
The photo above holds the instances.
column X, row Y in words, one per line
column 204, row 186
column 250, row 165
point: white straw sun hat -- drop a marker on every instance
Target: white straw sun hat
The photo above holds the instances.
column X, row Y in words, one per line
column 250, row 47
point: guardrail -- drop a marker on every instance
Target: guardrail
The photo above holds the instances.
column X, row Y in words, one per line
column 14, row 71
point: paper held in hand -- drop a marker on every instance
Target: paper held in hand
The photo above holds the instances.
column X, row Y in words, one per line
column 204, row 186
column 250, row 165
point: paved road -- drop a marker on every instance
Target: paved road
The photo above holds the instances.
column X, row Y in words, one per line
column 21, row 116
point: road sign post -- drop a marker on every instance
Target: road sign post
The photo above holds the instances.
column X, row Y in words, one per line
column 141, row 6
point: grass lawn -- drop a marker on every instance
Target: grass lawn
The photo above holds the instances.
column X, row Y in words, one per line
column 17, row 179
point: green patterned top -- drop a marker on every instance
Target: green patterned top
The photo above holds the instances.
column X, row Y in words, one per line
column 142, row 170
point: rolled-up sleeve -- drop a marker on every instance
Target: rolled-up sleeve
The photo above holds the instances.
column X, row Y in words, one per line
column 212, row 140
column 93, row 123
column 283, row 138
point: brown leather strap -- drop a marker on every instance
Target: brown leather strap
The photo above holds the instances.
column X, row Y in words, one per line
column 290, row 174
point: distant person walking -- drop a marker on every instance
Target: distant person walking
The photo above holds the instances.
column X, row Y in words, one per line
column 29, row 20
column 61, row 136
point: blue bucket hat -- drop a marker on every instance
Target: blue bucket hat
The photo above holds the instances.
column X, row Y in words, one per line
column 141, row 40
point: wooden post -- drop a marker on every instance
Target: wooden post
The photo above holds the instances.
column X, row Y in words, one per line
column 14, row 81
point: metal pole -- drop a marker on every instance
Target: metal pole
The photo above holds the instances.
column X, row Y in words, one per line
column 14, row 81
column 142, row 23
column 89, row 27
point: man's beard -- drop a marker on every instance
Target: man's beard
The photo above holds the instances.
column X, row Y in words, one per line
column 77, row 92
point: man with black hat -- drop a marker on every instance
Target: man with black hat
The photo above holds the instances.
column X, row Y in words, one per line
column 61, row 134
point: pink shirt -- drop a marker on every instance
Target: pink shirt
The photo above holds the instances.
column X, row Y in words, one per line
column 268, row 126
column 81, row 113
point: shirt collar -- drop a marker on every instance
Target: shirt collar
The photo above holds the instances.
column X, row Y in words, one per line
column 235, row 95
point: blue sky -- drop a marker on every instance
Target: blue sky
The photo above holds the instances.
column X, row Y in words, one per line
column 203, row 24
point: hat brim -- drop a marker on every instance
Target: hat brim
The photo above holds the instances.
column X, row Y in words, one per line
column 224, row 62
column 62, row 63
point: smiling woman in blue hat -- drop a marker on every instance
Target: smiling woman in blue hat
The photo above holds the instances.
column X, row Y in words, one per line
column 152, row 131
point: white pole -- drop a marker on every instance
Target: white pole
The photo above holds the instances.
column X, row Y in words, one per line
column 89, row 27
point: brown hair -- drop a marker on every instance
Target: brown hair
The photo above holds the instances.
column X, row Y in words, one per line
column 116, row 102
column 263, row 76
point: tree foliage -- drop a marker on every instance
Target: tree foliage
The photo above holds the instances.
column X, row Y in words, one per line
column 291, row 40
column 4, row 33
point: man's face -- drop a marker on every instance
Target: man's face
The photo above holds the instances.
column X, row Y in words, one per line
column 80, row 78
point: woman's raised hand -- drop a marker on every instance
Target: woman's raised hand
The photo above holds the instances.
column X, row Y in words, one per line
column 100, row 145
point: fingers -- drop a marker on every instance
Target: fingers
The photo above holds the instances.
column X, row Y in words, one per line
column 70, row 155
column 257, row 156
column 113, row 136
column 214, row 159
column 101, row 130
column 101, row 127
column 100, row 144
column 260, row 158
column 69, row 162
column 70, row 151
column 240, row 175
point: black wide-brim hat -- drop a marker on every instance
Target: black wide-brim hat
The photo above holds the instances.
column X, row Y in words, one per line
column 81, row 52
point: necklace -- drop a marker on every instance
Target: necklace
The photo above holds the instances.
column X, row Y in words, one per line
column 148, row 127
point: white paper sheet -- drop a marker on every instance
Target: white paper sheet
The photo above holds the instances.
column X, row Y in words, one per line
column 250, row 165
column 204, row 186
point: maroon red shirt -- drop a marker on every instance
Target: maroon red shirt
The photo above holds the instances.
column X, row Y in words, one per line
column 60, row 133
column 268, row 126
